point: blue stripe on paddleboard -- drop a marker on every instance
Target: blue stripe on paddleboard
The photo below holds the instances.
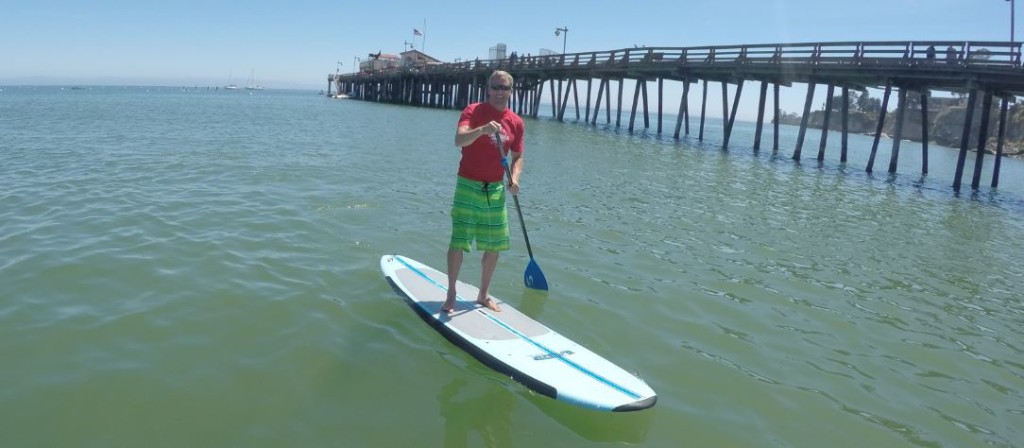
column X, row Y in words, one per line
column 550, row 352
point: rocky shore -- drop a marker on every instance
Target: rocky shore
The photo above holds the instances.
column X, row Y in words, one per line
column 945, row 125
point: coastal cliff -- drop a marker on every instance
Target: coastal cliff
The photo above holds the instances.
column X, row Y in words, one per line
column 945, row 121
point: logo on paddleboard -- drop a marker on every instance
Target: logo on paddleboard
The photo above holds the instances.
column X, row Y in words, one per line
column 552, row 355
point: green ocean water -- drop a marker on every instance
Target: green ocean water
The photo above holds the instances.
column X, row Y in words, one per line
column 201, row 268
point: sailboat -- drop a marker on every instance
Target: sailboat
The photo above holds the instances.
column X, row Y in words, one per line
column 231, row 85
column 252, row 82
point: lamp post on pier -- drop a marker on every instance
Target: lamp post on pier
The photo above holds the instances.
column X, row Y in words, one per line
column 1012, row 14
column 564, row 32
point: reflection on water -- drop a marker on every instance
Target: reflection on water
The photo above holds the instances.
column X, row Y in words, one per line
column 484, row 408
column 597, row 426
column 531, row 303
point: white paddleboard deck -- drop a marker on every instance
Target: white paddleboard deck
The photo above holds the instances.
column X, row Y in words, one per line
column 512, row 343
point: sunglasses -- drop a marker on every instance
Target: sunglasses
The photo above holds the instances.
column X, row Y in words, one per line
column 501, row 87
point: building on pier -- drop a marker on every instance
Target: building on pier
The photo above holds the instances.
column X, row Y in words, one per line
column 417, row 59
column 379, row 62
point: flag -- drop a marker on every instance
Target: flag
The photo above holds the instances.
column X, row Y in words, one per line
column 416, row 32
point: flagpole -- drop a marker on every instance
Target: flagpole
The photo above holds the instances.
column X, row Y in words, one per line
column 423, row 41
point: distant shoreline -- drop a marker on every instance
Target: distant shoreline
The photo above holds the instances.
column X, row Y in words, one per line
column 203, row 85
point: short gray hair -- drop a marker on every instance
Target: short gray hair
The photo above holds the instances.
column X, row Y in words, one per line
column 502, row 74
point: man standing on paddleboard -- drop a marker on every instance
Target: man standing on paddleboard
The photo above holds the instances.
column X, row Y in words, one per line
column 478, row 209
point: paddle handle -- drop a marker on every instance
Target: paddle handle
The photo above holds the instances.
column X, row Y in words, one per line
column 515, row 197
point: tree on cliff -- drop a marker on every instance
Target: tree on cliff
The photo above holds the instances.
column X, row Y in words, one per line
column 864, row 103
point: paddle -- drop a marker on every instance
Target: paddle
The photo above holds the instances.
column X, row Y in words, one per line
column 533, row 277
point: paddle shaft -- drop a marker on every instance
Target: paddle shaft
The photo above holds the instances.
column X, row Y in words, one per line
column 515, row 198
column 519, row 212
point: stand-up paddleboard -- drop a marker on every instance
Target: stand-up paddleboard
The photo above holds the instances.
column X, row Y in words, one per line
column 516, row 345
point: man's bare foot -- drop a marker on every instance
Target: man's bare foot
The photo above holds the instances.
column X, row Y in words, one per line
column 490, row 304
column 449, row 306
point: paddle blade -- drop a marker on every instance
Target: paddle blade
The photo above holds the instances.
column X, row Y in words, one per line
column 534, row 278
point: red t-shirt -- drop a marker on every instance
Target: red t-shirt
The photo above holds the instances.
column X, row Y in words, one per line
column 480, row 160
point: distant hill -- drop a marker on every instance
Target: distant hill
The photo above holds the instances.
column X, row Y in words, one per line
column 945, row 122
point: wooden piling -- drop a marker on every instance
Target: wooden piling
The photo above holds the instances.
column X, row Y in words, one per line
column 563, row 101
column 964, row 139
column 846, row 125
column 586, row 118
column 537, row 96
column 803, row 121
column 775, row 120
column 647, row 117
column 760, row 116
column 824, row 125
column 636, row 100
column 618, row 117
column 880, row 126
column 607, row 103
column 901, row 110
column 999, row 141
column 986, row 112
column 661, row 96
column 703, row 109
column 576, row 99
column 725, row 106
column 559, row 106
column 683, row 105
column 686, row 120
column 924, row 132
column 555, row 96
column 732, row 116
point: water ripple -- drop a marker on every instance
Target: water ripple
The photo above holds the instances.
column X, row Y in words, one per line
column 228, row 261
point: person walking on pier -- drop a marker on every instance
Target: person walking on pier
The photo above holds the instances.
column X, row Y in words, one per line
column 951, row 55
column 478, row 208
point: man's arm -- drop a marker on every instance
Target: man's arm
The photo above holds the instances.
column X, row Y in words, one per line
column 516, row 168
column 465, row 135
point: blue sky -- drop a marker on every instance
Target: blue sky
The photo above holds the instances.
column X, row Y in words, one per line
column 295, row 44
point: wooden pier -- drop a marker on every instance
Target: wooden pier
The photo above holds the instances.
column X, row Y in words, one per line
column 985, row 70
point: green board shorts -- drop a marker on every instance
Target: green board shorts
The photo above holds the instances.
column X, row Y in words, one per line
column 479, row 213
